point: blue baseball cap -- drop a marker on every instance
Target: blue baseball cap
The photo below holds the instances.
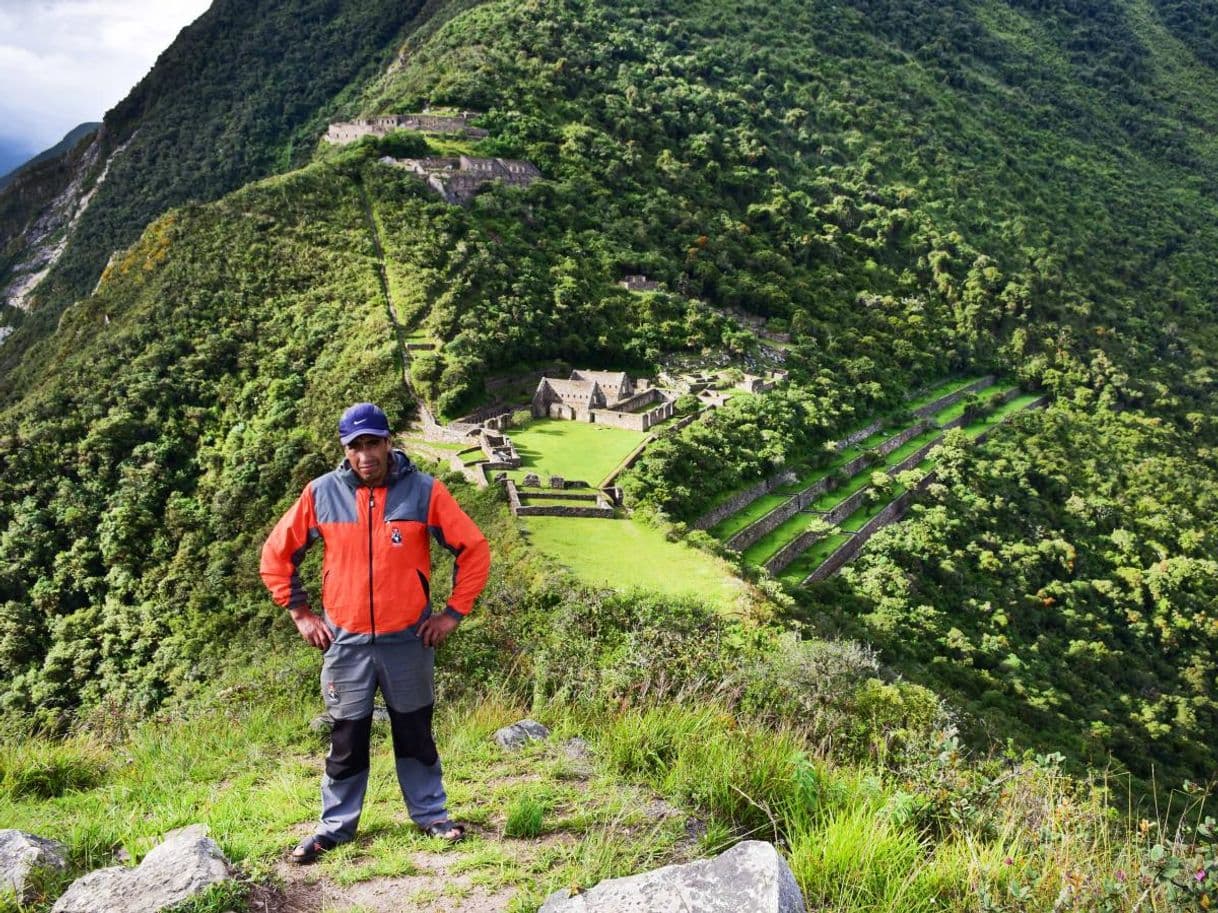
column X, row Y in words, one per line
column 360, row 419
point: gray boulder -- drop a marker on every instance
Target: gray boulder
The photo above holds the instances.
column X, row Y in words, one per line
column 187, row 862
column 749, row 878
column 22, row 854
column 520, row 734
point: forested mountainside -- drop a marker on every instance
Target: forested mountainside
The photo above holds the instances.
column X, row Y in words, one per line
column 907, row 189
column 240, row 94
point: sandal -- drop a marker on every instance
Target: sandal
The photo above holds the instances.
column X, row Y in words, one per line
column 311, row 849
column 446, row 830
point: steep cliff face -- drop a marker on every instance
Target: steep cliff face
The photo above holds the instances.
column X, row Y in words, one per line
column 54, row 207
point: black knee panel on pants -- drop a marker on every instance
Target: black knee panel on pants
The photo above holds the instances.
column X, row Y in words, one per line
column 349, row 748
column 412, row 735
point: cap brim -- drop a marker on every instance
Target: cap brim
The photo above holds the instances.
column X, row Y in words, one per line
column 371, row 432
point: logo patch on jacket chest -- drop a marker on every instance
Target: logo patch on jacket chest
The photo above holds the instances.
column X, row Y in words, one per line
column 396, row 537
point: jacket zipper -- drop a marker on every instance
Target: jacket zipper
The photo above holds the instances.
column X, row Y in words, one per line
column 371, row 608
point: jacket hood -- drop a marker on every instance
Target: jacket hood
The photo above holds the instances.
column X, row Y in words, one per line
column 399, row 466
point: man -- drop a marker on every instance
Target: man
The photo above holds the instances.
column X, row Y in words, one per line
column 374, row 513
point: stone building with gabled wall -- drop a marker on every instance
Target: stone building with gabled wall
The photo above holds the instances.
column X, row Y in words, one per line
column 604, row 397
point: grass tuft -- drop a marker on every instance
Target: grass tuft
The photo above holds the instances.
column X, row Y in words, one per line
column 39, row 769
column 524, row 817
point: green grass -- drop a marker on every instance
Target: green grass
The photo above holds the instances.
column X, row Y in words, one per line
column 795, row 572
column 768, row 545
column 955, row 410
column 525, row 814
column 573, row 450
column 925, row 834
column 940, row 391
column 836, row 496
column 1002, row 412
column 244, row 762
column 626, row 555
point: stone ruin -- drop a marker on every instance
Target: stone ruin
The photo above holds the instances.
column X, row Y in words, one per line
column 639, row 283
column 458, row 179
column 383, row 124
column 604, row 397
column 498, row 449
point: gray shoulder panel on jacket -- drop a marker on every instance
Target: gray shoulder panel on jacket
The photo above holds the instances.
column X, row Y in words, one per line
column 409, row 497
column 333, row 501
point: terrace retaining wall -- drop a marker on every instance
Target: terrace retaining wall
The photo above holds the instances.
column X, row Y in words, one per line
column 743, row 499
column 847, row 507
column 597, row 509
column 899, row 440
column 952, row 398
column 848, row 549
column 916, row 457
column 861, row 435
column 779, row 515
column 793, row 550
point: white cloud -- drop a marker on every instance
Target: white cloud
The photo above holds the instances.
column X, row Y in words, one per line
column 63, row 62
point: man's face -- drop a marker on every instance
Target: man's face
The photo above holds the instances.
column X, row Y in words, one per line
column 369, row 457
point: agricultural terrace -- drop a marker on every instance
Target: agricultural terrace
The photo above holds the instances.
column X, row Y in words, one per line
column 767, row 548
column 624, row 554
column 573, row 450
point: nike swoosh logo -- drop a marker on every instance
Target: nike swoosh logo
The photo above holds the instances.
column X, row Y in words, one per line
column 359, row 421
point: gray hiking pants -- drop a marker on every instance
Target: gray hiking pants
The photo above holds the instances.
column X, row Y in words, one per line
column 350, row 674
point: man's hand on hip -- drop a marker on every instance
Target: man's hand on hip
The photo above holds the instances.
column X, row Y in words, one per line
column 312, row 628
column 436, row 629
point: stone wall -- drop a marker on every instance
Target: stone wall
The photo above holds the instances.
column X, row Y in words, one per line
column 793, row 550
column 633, row 421
column 743, row 499
column 851, row 547
column 861, row 435
column 631, row 403
column 779, row 515
column 592, row 506
column 847, row 507
column 900, row 440
column 944, row 401
column 916, row 457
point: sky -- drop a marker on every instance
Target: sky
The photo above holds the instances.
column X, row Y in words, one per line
column 64, row 62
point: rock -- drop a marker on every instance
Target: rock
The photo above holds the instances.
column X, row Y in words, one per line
column 749, row 878
column 519, row 734
column 558, row 482
column 532, row 480
column 182, row 866
column 22, row 854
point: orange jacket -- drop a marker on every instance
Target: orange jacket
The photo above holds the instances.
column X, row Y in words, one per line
column 376, row 572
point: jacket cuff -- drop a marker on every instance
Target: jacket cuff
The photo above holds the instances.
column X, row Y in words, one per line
column 453, row 613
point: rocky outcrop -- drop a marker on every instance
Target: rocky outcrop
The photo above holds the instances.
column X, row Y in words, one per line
column 22, row 855
column 751, row 877
column 520, row 734
column 185, row 864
